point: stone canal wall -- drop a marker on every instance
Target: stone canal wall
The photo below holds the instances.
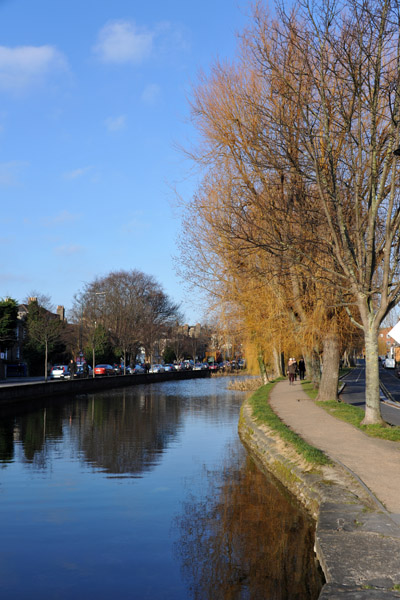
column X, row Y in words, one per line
column 30, row 391
column 357, row 542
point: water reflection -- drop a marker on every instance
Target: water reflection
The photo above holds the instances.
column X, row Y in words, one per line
column 246, row 538
column 118, row 432
column 100, row 492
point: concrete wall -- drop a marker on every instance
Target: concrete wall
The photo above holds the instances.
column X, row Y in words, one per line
column 357, row 542
column 29, row 391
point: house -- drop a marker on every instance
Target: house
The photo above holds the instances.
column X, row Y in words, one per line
column 13, row 356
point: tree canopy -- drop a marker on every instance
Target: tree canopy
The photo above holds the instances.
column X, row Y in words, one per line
column 300, row 192
column 8, row 321
column 131, row 306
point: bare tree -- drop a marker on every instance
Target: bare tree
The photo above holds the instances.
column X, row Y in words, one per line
column 44, row 328
column 338, row 64
column 304, row 133
column 131, row 306
column 159, row 313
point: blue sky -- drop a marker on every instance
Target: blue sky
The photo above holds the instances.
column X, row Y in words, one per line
column 93, row 106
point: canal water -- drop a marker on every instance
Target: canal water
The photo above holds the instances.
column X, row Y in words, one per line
column 145, row 493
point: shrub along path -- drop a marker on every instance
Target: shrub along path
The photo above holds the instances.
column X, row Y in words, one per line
column 374, row 461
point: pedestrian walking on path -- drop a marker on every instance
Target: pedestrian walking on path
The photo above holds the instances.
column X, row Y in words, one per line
column 302, row 369
column 292, row 366
column 376, row 462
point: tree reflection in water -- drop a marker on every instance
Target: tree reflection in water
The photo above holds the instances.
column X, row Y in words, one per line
column 122, row 433
column 246, row 538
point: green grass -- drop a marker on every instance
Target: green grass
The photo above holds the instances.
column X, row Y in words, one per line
column 344, row 371
column 310, row 390
column 263, row 413
column 354, row 415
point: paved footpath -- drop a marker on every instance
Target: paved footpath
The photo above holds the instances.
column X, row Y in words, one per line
column 376, row 462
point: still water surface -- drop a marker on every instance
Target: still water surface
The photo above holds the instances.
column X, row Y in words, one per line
column 145, row 493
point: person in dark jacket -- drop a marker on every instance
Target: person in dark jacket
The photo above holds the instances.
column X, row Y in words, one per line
column 302, row 368
column 72, row 368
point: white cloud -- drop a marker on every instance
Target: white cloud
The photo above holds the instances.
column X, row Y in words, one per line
column 77, row 172
column 151, row 93
column 10, row 172
column 68, row 250
column 116, row 123
column 23, row 67
column 123, row 42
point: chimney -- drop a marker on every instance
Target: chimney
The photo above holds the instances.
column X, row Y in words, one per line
column 61, row 312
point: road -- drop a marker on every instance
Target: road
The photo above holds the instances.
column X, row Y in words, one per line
column 354, row 392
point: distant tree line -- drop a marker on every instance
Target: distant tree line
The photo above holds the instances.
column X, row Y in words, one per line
column 111, row 319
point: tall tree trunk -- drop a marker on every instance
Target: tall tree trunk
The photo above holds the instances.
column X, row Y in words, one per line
column 45, row 360
column 277, row 362
column 263, row 370
column 372, row 393
column 313, row 368
column 328, row 388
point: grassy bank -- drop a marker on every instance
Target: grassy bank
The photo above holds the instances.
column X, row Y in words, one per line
column 263, row 413
column 353, row 415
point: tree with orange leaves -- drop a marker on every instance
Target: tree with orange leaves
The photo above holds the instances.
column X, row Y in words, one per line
column 305, row 130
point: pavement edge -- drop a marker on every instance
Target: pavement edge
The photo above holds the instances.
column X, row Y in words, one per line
column 357, row 543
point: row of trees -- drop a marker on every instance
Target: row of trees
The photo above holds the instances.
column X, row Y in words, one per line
column 112, row 318
column 297, row 217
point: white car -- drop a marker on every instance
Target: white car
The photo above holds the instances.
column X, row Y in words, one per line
column 156, row 369
column 60, row 372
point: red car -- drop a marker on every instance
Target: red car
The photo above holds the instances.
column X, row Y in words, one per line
column 104, row 370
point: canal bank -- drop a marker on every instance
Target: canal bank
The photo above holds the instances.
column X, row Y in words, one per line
column 21, row 392
column 357, row 540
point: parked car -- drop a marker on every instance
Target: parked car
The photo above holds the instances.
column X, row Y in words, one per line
column 60, row 372
column 187, row 365
column 104, row 370
column 390, row 363
column 169, row 367
column 138, row 369
column 156, row 369
column 81, row 373
column 213, row 366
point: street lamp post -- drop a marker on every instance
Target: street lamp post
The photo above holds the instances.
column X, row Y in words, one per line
column 94, row 334
column 93, row 351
